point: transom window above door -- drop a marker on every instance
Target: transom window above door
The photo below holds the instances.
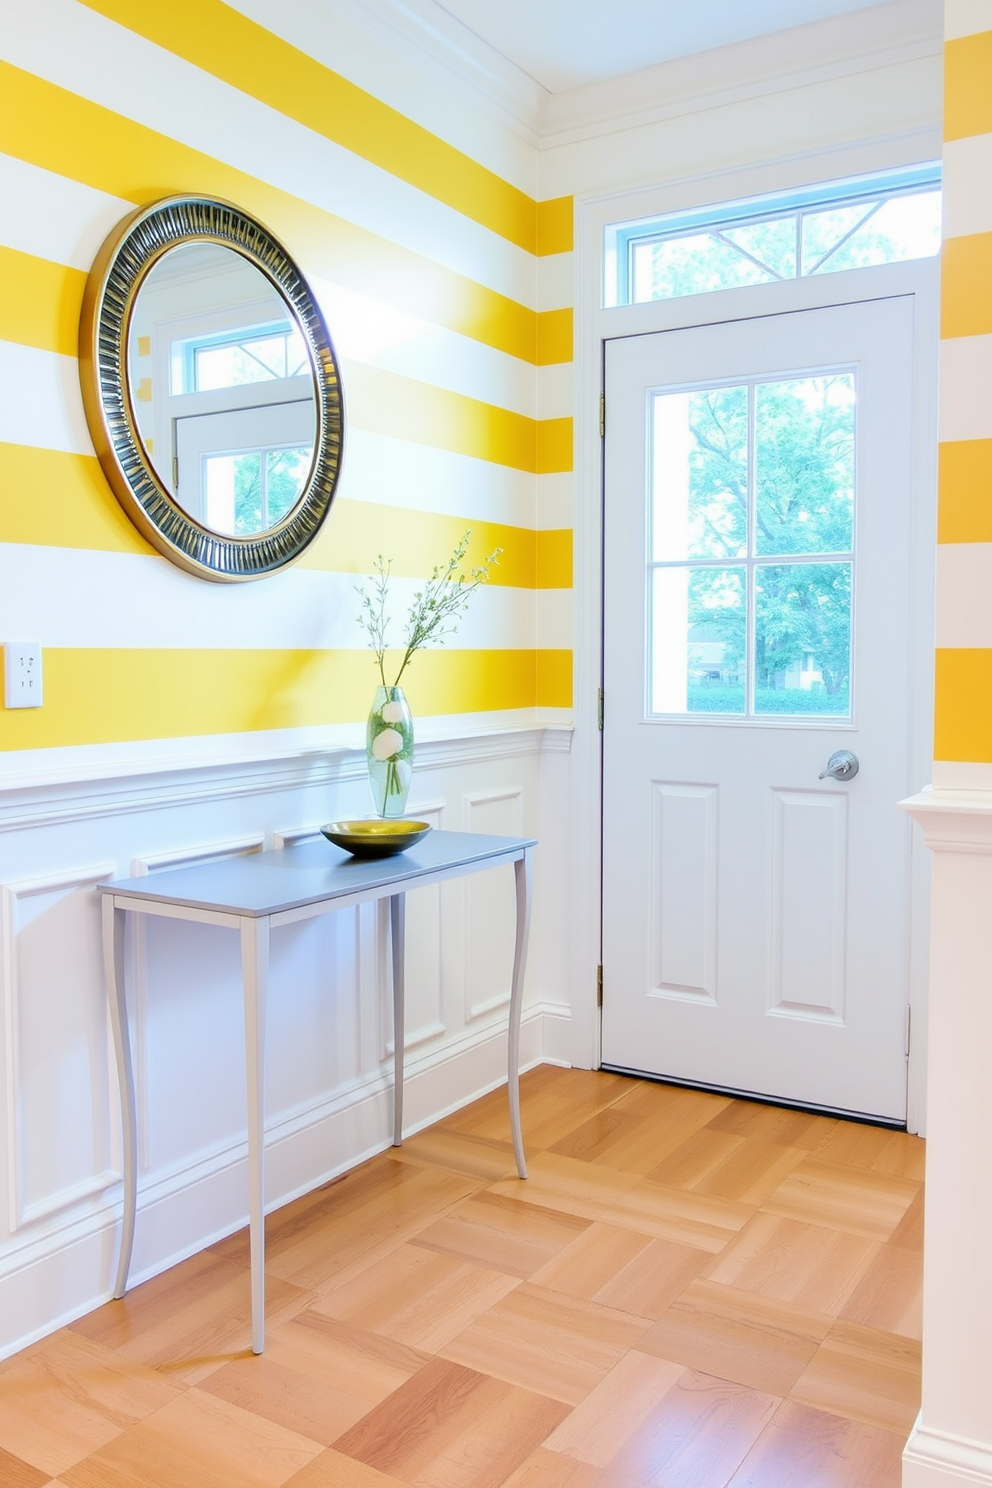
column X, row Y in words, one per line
column 840, row 225
column 751, row 548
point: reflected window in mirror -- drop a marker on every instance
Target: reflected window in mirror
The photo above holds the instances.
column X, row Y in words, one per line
column 222, row 388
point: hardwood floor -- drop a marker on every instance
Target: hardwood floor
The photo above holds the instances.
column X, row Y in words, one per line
column 688, row 1292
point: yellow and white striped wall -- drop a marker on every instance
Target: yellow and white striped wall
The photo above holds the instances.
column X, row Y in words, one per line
column 446, row 287
column 963, row 716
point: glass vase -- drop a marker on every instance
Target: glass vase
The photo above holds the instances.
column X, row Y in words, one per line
column 389, row 751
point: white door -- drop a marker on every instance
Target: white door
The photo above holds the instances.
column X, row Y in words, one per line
column 757, row 592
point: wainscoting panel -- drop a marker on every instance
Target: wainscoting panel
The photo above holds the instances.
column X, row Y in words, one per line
column 60, row 1133
column 328, row 1075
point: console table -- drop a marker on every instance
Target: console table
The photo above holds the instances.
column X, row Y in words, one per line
column 257, row 892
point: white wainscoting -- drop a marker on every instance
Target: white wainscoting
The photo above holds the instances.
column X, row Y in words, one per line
column 329, row 1034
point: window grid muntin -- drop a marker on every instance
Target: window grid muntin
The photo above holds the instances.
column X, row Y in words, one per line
column 623, row 238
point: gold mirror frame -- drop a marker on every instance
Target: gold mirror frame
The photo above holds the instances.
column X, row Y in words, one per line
column 121, row 267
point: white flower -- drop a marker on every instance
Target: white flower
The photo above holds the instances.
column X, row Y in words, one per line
column 392, row 712
column 386, row 744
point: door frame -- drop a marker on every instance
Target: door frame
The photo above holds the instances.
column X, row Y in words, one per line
column 593, row 328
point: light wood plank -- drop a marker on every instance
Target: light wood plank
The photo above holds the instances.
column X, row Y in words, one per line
column 740, row 1336
column 544, row 1341
column 865, row 1375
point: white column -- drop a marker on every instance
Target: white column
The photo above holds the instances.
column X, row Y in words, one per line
column 951, row 1444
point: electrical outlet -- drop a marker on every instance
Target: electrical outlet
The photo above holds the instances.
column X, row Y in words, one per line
column 22, row 674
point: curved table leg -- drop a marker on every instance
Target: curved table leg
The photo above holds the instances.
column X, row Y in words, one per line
column 113, row 963
column 523, row 877
column 254, row 971
column 397, row 940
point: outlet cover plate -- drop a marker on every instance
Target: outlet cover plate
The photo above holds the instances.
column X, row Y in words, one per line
column 22, row 674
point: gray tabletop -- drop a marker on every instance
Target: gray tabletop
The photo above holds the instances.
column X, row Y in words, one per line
column 270, row 882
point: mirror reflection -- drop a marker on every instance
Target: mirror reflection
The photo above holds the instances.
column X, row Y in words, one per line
column 221, row 389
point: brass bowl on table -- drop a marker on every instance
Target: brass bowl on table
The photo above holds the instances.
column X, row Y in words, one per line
column 376, row 838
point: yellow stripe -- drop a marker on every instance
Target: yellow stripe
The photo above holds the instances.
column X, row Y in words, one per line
column 554, row 446
column 54, row 499
column 358, row 531
column 554, row 337
column 39, row 302
column 104, row 696
column 39, row 306
column 963, row 705
column 967, row 90
column 964, row 511
column 554, row 226
column 71, row 506
column 235, row 49
column 386, row 403
column 554, row 558
column 966, row 284
column 61, row 132
column 553, row 681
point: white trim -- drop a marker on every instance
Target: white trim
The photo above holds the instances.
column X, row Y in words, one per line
column 860, row 41
column 595, row 325
column 939, row 1459
column 56, row 797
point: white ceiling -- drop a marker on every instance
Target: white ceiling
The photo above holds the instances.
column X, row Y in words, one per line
column 564, row 44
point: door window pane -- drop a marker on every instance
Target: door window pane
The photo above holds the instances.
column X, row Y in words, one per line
column 804, row 465
column 699, row 640
column 749, row 483
column 802, row 641
column 700, row 474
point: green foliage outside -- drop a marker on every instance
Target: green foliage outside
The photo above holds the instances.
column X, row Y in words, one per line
column 804, row 478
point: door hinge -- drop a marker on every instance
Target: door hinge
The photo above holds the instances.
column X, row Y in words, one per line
column 602, row 415
column 599, row 986
column 909, row 1029
column 599, row 709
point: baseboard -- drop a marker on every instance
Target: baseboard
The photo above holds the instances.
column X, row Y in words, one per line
column 939, row 1459
column 47, row 1285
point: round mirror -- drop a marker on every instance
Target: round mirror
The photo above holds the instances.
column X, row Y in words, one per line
column 211, row 388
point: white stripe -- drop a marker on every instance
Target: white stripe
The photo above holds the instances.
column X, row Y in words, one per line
column 964, row 583
column 965, row 379
column 951, row 775
column 366, row 55
column 968, row 186
column 41, row 403
column 393, row 472
column 52, row 217
column 41, row 406
column 554, row 501
column 966, row 18
column 556, row 391
column 37, row 767
column 556, row 281
column 70, row 597
column 554, row 619
column 376, row 334
column 120, row 70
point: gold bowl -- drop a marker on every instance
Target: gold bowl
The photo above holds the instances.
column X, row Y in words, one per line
column 377, row 837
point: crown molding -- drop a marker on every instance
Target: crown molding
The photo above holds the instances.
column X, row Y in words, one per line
column 860, row 41
column 425, row 34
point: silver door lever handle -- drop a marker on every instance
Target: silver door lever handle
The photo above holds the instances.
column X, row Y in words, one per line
column 842, row 765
